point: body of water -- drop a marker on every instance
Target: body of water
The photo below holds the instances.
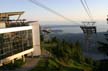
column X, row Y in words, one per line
column 73, row 33
column 75, row 28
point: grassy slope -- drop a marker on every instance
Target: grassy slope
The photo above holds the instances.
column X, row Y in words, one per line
column 54, row 64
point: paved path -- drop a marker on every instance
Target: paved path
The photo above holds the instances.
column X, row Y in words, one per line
column 30, row 64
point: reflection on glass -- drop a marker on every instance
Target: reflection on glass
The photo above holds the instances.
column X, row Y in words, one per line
column 15, row 42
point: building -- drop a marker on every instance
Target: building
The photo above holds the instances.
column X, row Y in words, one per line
column 18, row 38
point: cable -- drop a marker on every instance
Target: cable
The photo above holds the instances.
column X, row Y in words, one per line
column 51, row 10
column 86, row 8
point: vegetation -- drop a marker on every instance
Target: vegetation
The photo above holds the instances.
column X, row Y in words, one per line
column 64, row 56
column 104, row 45
column 103, row 66
column 12, row 66
column 103, row 48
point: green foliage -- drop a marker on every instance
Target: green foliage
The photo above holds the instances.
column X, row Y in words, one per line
column 41, row 37
column 89, row 61
column 52, row 65
column 65, row 51
column 12, row 66
column 63, row 57
column 103, row 48
column 102, row 66
column 104, row 45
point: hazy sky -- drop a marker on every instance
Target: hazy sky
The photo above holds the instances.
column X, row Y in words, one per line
column 69, row 8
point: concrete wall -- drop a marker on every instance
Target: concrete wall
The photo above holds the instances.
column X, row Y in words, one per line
column 2, row 25
column 36, row 50
column 18, row 55
column 36, row 39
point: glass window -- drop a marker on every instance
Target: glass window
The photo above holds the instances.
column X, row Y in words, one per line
column 15, row 42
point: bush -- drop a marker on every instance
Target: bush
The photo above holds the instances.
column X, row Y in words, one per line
column 12, row 66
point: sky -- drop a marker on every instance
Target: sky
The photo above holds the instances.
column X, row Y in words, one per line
column 71, row 9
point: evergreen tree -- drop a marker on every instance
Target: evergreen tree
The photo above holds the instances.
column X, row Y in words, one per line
column 104, row 45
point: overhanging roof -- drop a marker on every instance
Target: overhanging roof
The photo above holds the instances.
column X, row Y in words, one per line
column 11, row 14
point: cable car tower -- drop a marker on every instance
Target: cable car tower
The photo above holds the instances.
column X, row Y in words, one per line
column 89, row 31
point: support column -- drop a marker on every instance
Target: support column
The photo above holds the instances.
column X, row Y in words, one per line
column 1, row 64
column 23, row 58
column 36, row 39
column 32, row 54
column 13, row 61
